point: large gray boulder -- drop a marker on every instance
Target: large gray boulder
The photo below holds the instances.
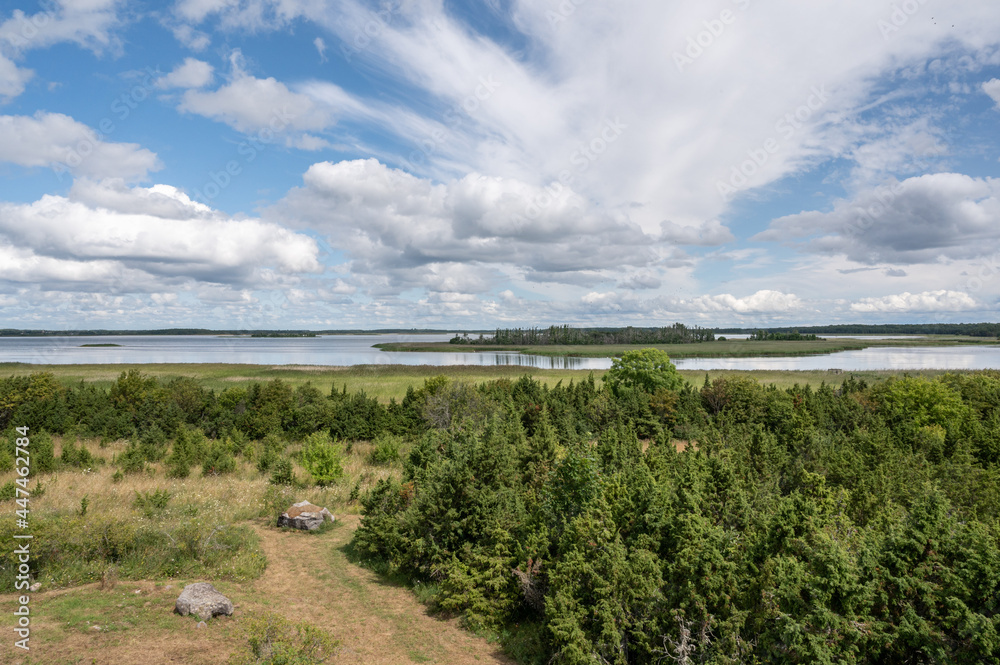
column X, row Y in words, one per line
column 305, row 516
column 202, row 600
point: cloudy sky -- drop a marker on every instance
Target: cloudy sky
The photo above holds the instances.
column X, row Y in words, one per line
column 419, row 163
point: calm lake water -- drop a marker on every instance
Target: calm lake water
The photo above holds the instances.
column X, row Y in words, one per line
column 344, row 350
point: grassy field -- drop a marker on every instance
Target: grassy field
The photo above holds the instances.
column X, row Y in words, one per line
column 391, row 381
column 717, row 349
column 308, row 577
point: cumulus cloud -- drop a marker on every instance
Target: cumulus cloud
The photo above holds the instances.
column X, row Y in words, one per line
column 12, row 79
column 928, row 301
column 105, row 231
column 401, row 230
column 764, row 301
column 58, row 141
column 992, row 88
column 249, row 104
column 919, row 220
column 192, row 73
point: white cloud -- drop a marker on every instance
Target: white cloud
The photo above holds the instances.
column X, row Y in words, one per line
column 192, row 73
column 320, row 48
column 928, row 301
column 250, row 104
column 920, row 220
column 992, row 88
column 12, row 79
column 684, row 131
column 196, row 40
column 58, row 141
column 762, row 302
column 108, row 230
column 88, row 23
column 250, row 15
column 403, row 231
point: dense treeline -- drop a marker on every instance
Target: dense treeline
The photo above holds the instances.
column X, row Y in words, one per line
column 770, row 336
column 857, row 525
column 565, row 335
column 137, row 404
column 970, row 329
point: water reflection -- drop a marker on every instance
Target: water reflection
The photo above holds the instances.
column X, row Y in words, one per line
column 873, row 358
column 347, row 350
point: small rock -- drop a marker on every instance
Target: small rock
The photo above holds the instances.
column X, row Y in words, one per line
column 35, row 587
column 137, row 591
column 202, row 624
column 305, row 516
column 203, row 600
column 97, row 628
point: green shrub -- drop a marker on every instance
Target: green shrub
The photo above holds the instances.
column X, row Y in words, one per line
column 282, row 473
column 43, row 459
column 270, row 639
column 183, row 455
column 9, row 491
column 265, row 460
column 218, row 460
column 321, row 458
column 6, row 454
column 386, row 450
column 151, row 503
column 132, row 460
column 79, row 458
column 153, row 443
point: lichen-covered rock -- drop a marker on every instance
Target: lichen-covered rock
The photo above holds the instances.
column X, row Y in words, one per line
column 305, row 516
column 202, row 600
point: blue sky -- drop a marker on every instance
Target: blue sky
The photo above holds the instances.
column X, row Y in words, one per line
column 311, row 164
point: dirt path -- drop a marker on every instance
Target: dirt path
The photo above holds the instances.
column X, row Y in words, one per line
column 308, row 577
